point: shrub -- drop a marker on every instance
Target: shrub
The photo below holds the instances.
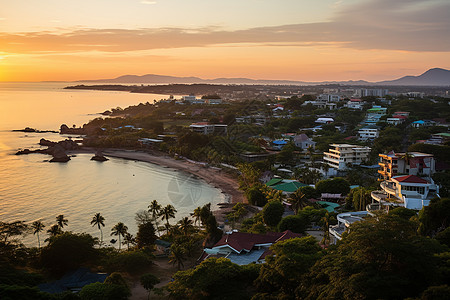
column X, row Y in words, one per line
column 256, row 197
column 272, row 213
column 131, row 262
column 295, row 224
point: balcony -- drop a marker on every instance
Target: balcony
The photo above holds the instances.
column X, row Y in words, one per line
column 379, row 195
column 389, row 187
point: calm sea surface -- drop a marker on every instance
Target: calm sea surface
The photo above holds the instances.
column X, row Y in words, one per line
column 33, row 189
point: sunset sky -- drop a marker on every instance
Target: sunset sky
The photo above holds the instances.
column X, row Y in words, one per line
column 307, row 40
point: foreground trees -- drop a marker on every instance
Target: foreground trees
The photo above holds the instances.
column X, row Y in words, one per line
column 381, row 258
column 67, row 251
column 280, row 275
column 215, row 278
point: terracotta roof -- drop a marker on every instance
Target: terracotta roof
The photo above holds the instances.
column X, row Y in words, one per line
column 246, row 241
column 411, row 179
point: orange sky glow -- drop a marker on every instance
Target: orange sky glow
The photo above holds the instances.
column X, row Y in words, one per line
column 260, row 39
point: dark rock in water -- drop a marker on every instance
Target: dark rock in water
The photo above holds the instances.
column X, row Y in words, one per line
column 29, row 129
column 59, row 154
column 99, row 156
column 24, row 151
column 26, row 129
column 28, row 151
column 47, row 143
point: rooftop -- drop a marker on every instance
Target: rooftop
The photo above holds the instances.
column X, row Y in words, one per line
column 410, row 179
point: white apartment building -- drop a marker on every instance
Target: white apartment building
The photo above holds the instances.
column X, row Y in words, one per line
column 328, row 98
column 206, row 128
column 368, row 133
column 340, row 156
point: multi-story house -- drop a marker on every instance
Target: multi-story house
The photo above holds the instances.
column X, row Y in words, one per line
column 412, row 163
column 409, row 191
column 401, row 185
column 343, row 155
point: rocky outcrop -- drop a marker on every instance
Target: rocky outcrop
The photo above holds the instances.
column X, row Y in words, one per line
column 57, row 150
column 59, row 154
column 99, row 156
column 29, row 129
column 64, row 129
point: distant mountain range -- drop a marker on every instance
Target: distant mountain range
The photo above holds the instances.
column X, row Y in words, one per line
column 432, row 77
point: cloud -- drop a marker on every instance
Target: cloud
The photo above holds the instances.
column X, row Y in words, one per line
column 148, row 2
column 407, row 25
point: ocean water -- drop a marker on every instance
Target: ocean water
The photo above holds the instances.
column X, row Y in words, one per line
column 31, row 188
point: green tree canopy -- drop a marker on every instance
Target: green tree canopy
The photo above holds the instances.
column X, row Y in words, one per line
column 272, row 213
column 214, row 278
column 68, row 251
column 145, row 237
column 256, row 197
column 336, row 185
column 294, row 223
column 435, row 217
column 284, row 270
column 104, row 291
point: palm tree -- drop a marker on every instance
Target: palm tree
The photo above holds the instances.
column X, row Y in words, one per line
column 176, row 256
column 61, row 222
column 309, row 152
column 297, row 200
column 168, row 212
column 120, row 230
column 407, row 157
column 98, row 220
column 155, row 209
column 54, row 230
column 185, row 225
column 129, row 239
column 197, row 213
column 37, row 227
column 326, row 231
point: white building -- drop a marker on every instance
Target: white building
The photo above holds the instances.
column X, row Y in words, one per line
column 409, row 191
column 371, row 92
column 206, row 128
column 328, row 98
column 345, row 220
column 342, row 155
column 355, row 104
column 368, row 133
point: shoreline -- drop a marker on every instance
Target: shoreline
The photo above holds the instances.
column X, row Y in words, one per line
column 214, row 177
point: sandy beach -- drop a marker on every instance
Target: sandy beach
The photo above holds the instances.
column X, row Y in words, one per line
column 212, row 176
